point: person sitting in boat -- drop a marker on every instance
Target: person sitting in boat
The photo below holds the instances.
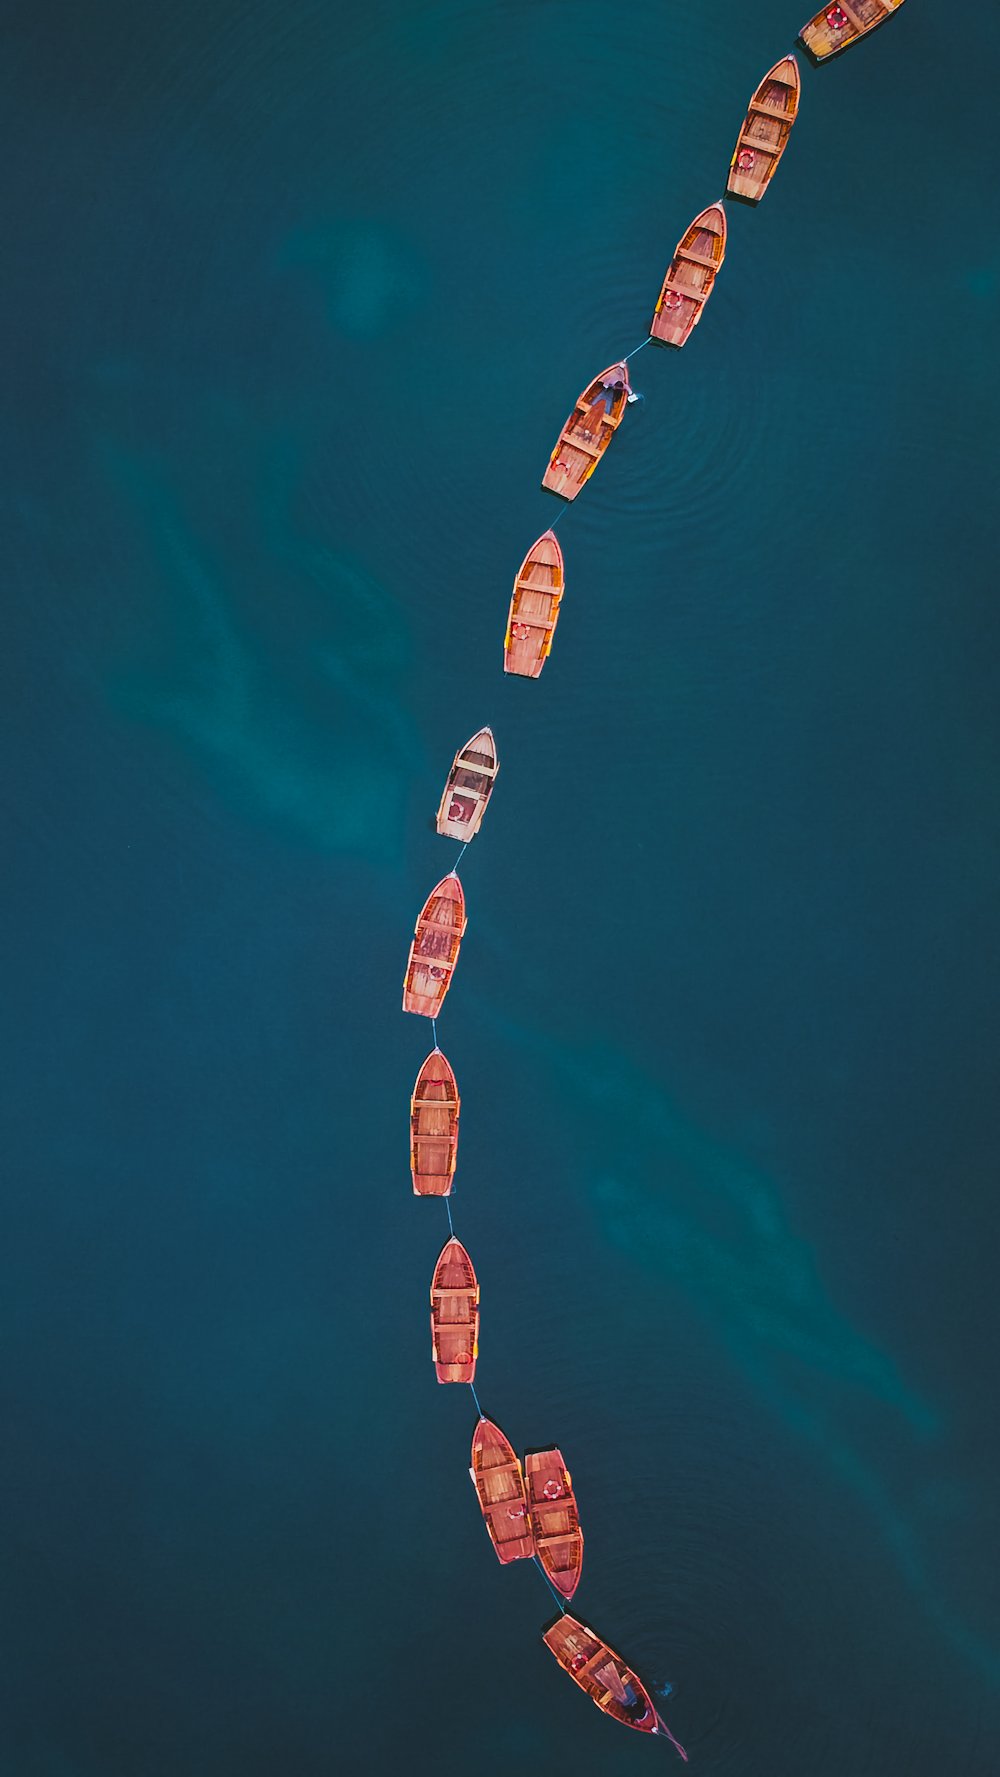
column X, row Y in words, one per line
column 635, row 1706
column 602, row 405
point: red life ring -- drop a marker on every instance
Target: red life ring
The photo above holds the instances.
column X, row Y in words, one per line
column 437, row 974
column 577, row 1662
column 745, row 159
column 552, row 1490
column 516, row 1512
column 520, row 632
column 836, row 19
column 673, row 299
column 461, row 1357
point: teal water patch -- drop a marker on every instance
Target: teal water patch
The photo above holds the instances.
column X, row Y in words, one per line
column 368, row 275
column 718, row 1227
column 690, row 1209
column 305, row 727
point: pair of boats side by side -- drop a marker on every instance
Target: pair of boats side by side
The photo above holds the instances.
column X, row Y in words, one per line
column 530, row 1510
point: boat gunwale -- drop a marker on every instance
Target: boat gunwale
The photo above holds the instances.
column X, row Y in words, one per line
column 820, row 61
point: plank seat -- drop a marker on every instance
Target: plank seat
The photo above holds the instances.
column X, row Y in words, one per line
column 536, row 622
column 759, row 147
column 590, row 450
column 589, row 1661
column 756, row 109
column 697, row 258
column 685, row 290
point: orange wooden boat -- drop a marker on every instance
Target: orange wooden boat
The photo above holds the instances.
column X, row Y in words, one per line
column 434, row 1110
column 835, row 28
column 690, row 276
column 534, row 608
column 435, row 947
column 588, row 432
column 499, row 1483
column 604, row 1675
column 454, row 1314
column 766, row 129
column 469, row 788
column 554, row 1519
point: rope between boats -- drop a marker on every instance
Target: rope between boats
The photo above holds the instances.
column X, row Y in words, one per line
column 560, row 1601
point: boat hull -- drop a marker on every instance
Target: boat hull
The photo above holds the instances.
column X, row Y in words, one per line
column 588, row 432
column 469, row 788
column 554, row 1518
column 499, row 1482
column 765, row 132
column 454, row 1314
column 608, row 1681
column 435, row 947
column 534, row 608
column 836, row 27
column 690, row 277
column 434, row 1108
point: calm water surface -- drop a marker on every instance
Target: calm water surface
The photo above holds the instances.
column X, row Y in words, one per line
column 294, row 299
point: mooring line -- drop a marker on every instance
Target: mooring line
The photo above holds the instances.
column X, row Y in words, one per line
column 560, row 1601
column 475, row 1397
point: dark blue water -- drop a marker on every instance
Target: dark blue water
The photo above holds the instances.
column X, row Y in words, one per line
column 294, row 300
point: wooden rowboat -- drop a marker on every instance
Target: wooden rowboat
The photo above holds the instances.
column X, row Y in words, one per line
column 690, row 276
column 554, row 1519
column 454, row 1314
column 469, row 788
column 435, row 947
column 534, row 608
column 604, row 1675
column 434, row 1128
column 766, row 129
column 499, row 1483
column 588, row 432
column 836, row 27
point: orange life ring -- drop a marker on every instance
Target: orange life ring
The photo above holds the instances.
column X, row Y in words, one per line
column 745, row 159
column 552, row 1490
